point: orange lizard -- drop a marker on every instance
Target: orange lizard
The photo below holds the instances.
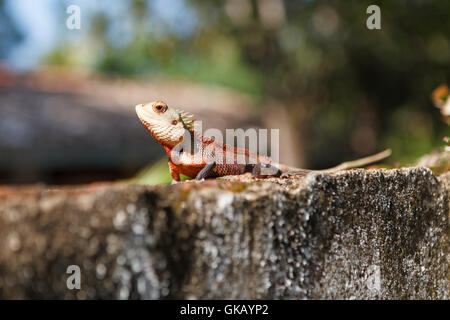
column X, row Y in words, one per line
column 209, row 158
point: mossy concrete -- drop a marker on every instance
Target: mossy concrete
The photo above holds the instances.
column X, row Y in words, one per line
column 375, row 234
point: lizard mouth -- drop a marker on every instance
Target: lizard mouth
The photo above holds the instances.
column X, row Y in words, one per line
column 142, row 113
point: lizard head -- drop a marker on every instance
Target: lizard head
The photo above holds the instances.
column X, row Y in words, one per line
column 166, row 125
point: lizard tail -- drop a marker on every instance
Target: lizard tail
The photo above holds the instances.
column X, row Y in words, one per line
column 343, row 166
column 360, row 162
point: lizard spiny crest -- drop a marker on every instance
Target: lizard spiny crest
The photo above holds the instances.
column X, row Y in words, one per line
column 187, row 118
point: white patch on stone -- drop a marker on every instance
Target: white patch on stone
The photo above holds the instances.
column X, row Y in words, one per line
column 120, row 220
column 224, row 200
column 374, row 279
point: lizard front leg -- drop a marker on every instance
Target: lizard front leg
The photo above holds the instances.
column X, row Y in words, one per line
column 206, row 172
column 174, row 172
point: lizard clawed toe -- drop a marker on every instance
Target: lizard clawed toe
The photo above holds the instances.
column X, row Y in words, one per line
column 294, row 174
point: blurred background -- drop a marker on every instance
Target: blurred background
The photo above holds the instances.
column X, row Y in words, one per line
column 335, row 89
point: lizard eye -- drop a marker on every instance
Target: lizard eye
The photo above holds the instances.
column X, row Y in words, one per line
column 159, row 108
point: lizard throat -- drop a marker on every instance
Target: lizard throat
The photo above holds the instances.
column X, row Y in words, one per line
column 165, row 135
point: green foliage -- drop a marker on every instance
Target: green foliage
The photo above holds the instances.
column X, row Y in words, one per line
column 411, row 135
column 156, row 173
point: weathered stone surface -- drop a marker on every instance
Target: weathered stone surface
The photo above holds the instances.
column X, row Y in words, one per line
column 355, row 234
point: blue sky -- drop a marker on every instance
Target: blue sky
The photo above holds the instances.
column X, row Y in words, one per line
column 43, row 26
column 37, row 22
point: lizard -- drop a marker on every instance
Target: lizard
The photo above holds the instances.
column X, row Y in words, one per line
column 207, row 157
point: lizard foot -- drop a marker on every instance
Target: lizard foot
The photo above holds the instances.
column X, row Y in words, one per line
column 294, row 173
column 262, row 170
